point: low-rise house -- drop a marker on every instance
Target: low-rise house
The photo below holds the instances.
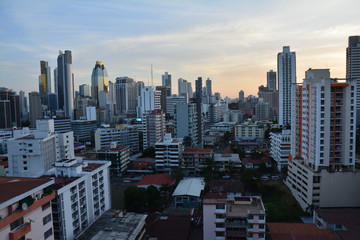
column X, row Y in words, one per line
column 195, row 160
column 188, row 192
column 227, row 162
column 156, row 180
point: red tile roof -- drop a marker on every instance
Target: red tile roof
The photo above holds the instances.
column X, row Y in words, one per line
column 348, row 217
column 298, row 231
column 197, row 151
column 11, row 187
column 156, row 179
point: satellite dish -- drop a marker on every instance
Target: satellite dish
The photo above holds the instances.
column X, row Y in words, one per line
column 24, row 206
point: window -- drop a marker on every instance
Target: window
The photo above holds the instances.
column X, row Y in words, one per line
column 48, row 233
column 24, row 156
column 16, row 223
column 261, row 217
column 30, row 151
column 219, row 234
column 45, row 206
column 220, row 206
column 24, row 162
column 25, row 168
column 47, row 219
column 262, row 226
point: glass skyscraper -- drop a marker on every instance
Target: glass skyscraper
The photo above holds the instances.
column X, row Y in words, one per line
column 44, row 82
column 99, row 82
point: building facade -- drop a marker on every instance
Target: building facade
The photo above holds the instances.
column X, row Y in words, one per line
column 322, row 170
column 233, row 216
column 119, row 157
column 280, row 146
column 25, row 208
column 64, row 83
column 168, row 154
column 185, row 121
column 286, row 64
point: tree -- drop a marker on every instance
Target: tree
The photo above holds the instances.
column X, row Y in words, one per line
column 227, row 136
column 153, row 197
column 187, row 141
column 135, row 199
column 177, row 174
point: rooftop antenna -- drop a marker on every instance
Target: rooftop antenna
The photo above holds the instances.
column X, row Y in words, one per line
column 152, row 76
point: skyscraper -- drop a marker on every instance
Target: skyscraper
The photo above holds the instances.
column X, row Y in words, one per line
column 126, row 95
column 64, row 79
column 35, row 108
column 241, row 96
column 286, row 64
column 198, row 85
column 44, row 82
column 99, row 82
column 165, row 92
column 208, row 87
column 353, row 68
column 271, row 80
column 166, row 80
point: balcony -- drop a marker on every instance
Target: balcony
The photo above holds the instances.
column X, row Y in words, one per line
column 20, row 213
column 20, row 231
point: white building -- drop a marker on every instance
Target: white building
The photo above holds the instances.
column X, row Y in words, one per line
column 25, row 208
column 168, row 153
column 188, row 192
column 126, row 136
column 90, row 113
column 34, row 153
column 153, row 127
column 280, row 146
column 227, row 162
column 286, row 64
column 149, row 100
column 185, row 121
column 233, row 216
column 322, row 171
column 83, row 195
column 250, row 129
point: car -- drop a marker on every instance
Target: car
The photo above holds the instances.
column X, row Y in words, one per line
column 226, row 177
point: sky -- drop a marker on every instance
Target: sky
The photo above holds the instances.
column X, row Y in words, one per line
column 233, row 42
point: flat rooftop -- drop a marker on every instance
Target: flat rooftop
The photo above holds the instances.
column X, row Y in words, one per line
column 110, row 226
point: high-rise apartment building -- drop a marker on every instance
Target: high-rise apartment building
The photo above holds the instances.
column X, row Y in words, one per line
column 166, row 80
column 168, row 153
column 198, row 84
column 153, row 127
column 35, row 108
column 185, row 121
column 126, row 95
column 353, row 68
column 99, row 82
column 271, row 80
column 9, row 108
column 321, row 169
column 286, row 64
column 32, row 154
column 64, row 81
column 44, row 82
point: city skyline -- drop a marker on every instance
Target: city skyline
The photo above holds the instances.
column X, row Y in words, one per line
column 233, row 43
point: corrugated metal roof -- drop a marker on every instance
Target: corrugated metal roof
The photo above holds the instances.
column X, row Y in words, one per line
column 190, row 187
